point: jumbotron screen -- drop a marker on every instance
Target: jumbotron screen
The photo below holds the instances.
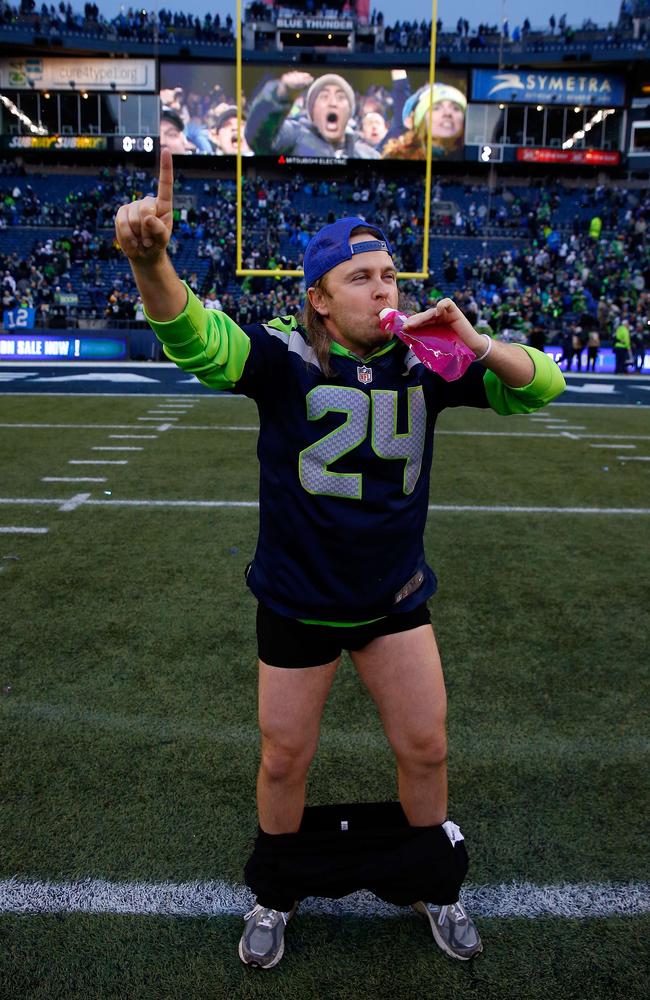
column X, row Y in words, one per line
column 344, row 113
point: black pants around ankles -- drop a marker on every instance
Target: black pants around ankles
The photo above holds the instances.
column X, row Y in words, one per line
column 286, row 642
column 340, row 849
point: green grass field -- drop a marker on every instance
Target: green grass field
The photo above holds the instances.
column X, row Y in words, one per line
column 127, row 708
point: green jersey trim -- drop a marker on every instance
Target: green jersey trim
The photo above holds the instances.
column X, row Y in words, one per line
column 547, row 383
column 216, row 349
column 313, row 621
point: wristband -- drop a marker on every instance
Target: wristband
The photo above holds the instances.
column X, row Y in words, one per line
column 487, row 349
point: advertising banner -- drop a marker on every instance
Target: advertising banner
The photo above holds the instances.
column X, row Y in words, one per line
column 595, row 157
column 548, row 86
column 50, row 73
column 83, row 142
column 49, row 346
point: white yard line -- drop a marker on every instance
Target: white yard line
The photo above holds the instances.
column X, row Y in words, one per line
column 220, row 898
column 158, row 418
column 98, row 461
column 133, row 437
column 253, row 505
column 619, row 446
column 544, row 743
column 255, row 427
column 9, row 530
column 73, row 479
column 634, row 458
column 99, row 447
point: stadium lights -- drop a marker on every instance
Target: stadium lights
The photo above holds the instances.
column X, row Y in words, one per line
column 540, row 107
column 85, row 95
column 14, row 110
column 46, row 95
column 501, row 107
column 123, row 97
column 297, row 34
column 577, row 110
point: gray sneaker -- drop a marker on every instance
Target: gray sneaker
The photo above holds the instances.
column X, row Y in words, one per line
column 453, row 930
column 262, row 943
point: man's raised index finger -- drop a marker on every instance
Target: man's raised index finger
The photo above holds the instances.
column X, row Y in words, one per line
column 165, row 182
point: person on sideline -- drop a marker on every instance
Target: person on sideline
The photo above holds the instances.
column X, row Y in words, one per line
column 347, row 418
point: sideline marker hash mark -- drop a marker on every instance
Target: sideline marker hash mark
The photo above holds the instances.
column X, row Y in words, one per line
column 9, row 530
column 73, row 479
column 99, row 447
column 76, row 501
column 98, row 461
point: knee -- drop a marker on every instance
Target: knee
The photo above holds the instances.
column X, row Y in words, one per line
column 423, row 751
column 283, row 762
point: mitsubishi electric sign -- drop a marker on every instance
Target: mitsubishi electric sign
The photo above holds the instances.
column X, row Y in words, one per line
column 546, row 87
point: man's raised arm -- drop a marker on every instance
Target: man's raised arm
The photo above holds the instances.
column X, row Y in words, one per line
column 143, row 229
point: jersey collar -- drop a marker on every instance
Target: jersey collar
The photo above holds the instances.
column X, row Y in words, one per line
column 336, row 348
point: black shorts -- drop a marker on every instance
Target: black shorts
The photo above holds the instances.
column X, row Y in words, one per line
column 287, row 642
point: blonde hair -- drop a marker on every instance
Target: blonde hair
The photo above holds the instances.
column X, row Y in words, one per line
column 313, row 323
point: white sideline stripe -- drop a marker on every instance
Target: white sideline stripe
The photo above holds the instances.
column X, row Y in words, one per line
column 74, row 427
column 73, row 479
column 98, row 461
column 151, row 437
column 23, row 531
column 548, row 745
column 74, row 502
column 255, row 427
column 219, row 898
column 100, row 447
column 619, row 446
column 253, row 504
column 634, row 458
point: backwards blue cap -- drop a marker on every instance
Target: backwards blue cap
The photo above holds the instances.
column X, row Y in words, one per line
column 331, row 246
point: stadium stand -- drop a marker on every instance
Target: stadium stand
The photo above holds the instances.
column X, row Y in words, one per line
column 519, row 252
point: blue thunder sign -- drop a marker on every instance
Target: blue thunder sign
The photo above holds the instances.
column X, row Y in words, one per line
column 594, row 89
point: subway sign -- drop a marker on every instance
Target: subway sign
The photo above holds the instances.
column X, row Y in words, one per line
column 546, row 87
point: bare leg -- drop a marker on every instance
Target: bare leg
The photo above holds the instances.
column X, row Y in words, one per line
column 291, row 704
column 404, row 676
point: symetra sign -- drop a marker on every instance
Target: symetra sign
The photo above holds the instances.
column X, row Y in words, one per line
column 595, row 89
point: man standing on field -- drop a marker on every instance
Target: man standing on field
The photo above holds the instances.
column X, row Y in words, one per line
column 347, row 416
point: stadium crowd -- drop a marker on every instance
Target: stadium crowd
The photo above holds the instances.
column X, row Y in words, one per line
column 133, row 23
column 549, row 281
column 136, row 23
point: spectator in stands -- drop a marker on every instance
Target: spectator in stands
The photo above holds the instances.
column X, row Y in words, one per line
column 622, row 346
column 323, row 129
column 172, row 133
column 447, row 118
column 638, row 338
column 223, row 133
column 374, row 128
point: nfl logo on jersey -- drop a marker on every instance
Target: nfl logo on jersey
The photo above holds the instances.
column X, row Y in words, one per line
column 364, row 374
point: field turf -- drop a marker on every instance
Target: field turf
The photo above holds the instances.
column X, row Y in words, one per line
column 127, row 701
